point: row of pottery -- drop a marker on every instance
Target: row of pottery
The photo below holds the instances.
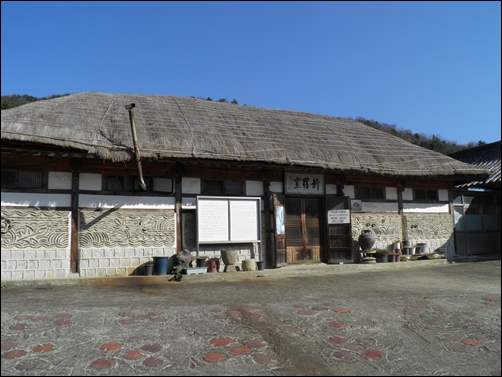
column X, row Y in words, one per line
column 229, row 257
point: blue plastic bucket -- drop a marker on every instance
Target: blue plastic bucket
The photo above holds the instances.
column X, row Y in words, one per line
column 160, row 265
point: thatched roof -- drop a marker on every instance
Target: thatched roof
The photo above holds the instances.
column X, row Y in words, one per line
column 170, row 127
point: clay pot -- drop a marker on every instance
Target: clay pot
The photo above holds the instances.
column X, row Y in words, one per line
column 229, row 257
column 212, row 265
column 381, row 257
column 248, row 265
column 366, row 240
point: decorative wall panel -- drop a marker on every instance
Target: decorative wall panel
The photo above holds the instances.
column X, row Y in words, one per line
column 35, row 229
column 127, row 229
column 385, row 228
column 429, row 226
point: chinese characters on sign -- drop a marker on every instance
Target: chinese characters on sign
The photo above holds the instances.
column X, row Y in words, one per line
column 303, row 183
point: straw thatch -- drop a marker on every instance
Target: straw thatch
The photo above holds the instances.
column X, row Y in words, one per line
column 171, row 127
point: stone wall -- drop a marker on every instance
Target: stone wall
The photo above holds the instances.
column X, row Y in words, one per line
column 116, row 242
column 433, row 229
column 35, row 243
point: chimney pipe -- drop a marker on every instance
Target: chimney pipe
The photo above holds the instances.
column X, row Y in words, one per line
column 135, row 143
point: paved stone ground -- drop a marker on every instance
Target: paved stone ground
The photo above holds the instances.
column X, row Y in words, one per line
column 438, row 320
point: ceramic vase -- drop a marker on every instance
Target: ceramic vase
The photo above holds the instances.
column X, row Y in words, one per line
column 366, row 240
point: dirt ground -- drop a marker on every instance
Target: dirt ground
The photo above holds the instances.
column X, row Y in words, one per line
column 433, row 320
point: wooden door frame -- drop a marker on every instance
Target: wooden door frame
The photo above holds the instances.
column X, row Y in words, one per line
column 347, row 236
column 303, row 222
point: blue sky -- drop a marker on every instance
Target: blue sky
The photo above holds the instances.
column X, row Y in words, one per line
column 431, row 67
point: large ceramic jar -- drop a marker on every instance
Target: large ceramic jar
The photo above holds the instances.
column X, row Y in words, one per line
column 229, row 257
column 366, row 240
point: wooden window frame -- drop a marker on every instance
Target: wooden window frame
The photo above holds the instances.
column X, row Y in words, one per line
column 17, row 186
column 427, row 194
column 372, row 191
column 224, row 183
column 130, row 180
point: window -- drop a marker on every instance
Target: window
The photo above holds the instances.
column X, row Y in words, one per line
column 370, row 193
column 425, row 195
column 119, row 184
column 163, row 184
column 127, row 183
column 22, row 179
column 8, row 178
column 217, row 187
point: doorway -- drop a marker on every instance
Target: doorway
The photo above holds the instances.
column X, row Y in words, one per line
column 304, row 232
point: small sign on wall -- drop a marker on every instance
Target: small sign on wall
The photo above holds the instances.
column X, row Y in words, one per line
column 339, row 216
column 356, row 205
column 304, row 183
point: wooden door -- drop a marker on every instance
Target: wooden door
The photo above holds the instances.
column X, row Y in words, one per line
column 339, row 236
column 303, row 230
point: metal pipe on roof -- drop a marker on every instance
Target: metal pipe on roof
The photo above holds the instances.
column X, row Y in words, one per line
column 136, row 147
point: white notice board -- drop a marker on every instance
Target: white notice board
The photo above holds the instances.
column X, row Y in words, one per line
column 243, row 220
column 339, row 216
column 212, row 220
column 228, row 219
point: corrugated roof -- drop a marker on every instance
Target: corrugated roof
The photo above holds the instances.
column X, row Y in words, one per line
column 186, row 128
column 486, row 157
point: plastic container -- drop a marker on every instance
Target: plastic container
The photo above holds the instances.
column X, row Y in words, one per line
column 420, row 248
column 148, row 269
column 201, row 262
column 160, row 264
column 260, row 265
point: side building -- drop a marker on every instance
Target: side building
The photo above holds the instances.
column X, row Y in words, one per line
column 82, row 196
column 477, row 204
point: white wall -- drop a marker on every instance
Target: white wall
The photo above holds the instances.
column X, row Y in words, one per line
column 136, row 202
column 90, row 181
column 59, row 180
column 254, row 188
column 276, row 187
column 426, row 207
column 35, row 199
column 190, row 185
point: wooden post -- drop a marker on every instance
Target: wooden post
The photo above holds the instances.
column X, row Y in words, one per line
column 177, row 190
column 76, row 167
column 404, row 224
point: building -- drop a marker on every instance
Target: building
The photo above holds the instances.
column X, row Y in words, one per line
column 280, row 186
column 477, row 203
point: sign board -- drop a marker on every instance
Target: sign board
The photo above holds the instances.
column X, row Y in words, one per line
column 243, row 220
column 304, row 183
column 339, row 216
column 213, row 220
column 356, row 205
column 228, row 219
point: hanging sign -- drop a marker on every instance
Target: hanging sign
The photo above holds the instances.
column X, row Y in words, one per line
column 339, row 216
column 304, row 183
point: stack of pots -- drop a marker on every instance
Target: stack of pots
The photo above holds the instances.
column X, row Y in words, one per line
column 406, row 248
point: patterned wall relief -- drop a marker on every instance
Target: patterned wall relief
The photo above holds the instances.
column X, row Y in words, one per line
column 385, row 228
column 425, row 226
column 35, row 229
column 115, row 228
